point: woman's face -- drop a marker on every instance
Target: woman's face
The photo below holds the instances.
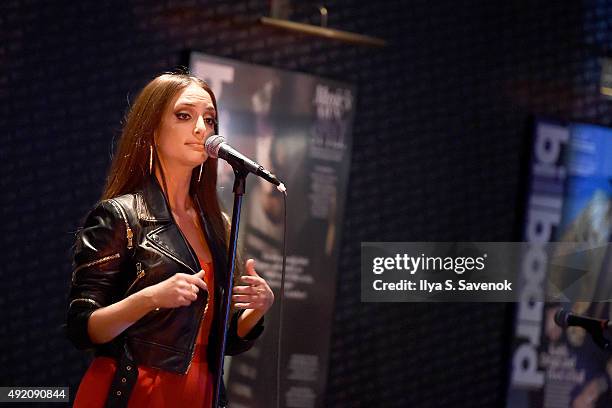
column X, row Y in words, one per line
column 187, row 122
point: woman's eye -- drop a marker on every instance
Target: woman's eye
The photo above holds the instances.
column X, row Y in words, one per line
column 209, row 121
column 183, row 116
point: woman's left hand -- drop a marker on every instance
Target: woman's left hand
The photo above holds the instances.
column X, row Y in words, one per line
column 254, row 293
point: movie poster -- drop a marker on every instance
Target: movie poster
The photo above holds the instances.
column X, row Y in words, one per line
column 298, row 127
column 570, row 201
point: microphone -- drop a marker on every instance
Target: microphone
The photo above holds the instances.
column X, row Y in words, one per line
column 564, row 319
column 595, row 327
column 217, row 147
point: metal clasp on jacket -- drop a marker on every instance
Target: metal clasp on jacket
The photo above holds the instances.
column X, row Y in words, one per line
column 93, row 263
column 128, row 231
column 140, row 273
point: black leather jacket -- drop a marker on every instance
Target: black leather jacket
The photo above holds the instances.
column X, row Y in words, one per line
column 128, row 243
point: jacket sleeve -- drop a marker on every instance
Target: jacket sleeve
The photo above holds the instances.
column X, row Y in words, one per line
column 99, row 251
column 236, row 344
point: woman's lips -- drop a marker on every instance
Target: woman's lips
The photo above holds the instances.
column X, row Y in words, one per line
column 197, row 146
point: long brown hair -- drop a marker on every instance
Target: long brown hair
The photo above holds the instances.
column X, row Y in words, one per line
column 130, row 165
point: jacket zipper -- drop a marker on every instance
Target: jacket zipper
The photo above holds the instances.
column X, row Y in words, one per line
column 93, row 302
column 92, row 263
column 140, row 273
column 128, row 231
column 196, row 333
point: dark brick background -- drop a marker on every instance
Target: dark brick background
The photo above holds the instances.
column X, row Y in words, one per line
column 439, row 140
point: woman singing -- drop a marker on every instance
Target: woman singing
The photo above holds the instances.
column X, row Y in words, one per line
column 150, row 261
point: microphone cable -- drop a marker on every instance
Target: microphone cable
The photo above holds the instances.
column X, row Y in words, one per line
column 282, row 296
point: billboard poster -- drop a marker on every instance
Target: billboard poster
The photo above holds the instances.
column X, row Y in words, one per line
column 569, row 201
column 299, row 127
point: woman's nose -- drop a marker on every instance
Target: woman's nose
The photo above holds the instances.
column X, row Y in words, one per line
column 200, row 126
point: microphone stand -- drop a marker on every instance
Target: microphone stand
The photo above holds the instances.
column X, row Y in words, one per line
column 239, row 190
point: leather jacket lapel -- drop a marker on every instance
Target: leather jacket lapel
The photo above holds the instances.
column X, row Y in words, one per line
column 157, row 208
column 169, row 241
column 167, row 238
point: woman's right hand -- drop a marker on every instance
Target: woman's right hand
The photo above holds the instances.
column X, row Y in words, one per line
column 178, row 290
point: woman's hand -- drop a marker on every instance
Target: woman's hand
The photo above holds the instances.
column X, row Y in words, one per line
column 254, row 293
column 178, row 290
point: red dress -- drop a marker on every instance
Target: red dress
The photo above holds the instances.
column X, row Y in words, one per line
column 154, row 387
